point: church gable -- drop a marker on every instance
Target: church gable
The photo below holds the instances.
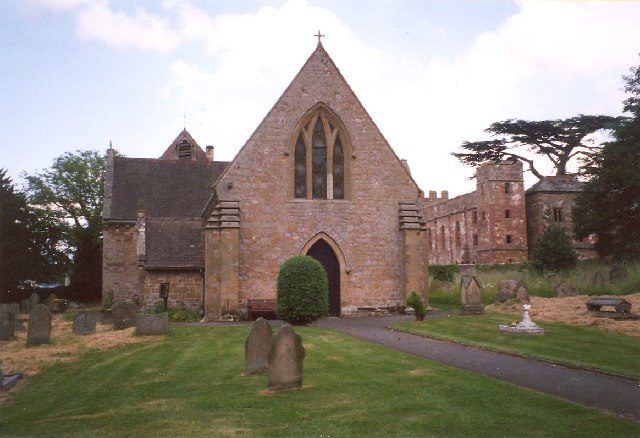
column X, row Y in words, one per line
column 184, row 148
column 319, row 92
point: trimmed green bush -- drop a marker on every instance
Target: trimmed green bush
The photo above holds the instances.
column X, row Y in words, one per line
column 303, row 290
column 553, row 251
column 443, row 272
column 414, row 300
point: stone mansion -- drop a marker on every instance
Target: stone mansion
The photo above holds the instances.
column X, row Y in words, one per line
column 316, row 177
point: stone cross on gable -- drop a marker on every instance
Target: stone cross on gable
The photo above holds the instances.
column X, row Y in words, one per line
column 319, row 35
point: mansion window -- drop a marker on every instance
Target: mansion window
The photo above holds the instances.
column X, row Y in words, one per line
column 557, row 214
column 319, row 157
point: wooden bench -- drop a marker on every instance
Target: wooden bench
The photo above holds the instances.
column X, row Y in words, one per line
column 265, row 307
column 621, row 307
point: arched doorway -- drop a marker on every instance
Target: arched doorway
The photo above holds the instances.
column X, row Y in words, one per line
column 322, row 252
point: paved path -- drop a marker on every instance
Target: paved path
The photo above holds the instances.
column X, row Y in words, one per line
column 613, row 394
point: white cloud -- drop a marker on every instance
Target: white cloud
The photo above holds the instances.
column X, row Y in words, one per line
column 548, row 60
column 142, row 31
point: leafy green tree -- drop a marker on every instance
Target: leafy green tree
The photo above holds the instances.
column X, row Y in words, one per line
column 557, row 140
column 70, row 194
column 609, row 206
column 553, row 251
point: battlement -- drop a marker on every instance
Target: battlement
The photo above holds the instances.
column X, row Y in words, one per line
column 503, row 171
column 433, row 197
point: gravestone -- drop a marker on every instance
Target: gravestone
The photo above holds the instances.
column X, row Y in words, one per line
column 124, row 315
column 15, row 308
column 286, row 356
column 49, row 301
column 84, row 323
column 448, row 286
column 470, row 291
column 522, row 291
column 437, row 284
column 506, row 291
column 256, row 347
column 526, row 326
column 598, row 280
column 152, row 324
column 39, row 330
column 25, row 305
column 7, row 322
column 33, row 300
column 566, row 289
column 618, row 273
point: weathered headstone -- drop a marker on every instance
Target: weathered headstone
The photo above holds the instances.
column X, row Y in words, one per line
column 256, row 347
column 84, row 323
column 598, row 280
column 7, row 322
column 49, row 301
column 33, row 300
column 152, row 324
column 566, row 289
column 448, row 286
column 15, row 308
column 39, row 330
column 618, row 273
column 25, row 305
column 124, row 315
column 437, row 284
column 286, row 356
column 506, row 291
column 470, row 291
column 522, row 291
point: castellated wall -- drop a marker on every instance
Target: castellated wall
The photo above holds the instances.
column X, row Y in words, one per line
column 491, row 220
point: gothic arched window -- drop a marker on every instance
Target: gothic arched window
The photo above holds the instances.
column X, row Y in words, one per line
column 300, row 179
column 320, row 166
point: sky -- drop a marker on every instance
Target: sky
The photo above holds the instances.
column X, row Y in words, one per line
column 78, row 74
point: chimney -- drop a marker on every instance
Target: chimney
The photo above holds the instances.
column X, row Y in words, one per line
column 444, row 194
column 209, row 153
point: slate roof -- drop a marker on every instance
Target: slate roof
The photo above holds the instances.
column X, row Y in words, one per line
column 162, row 188
column 174, row 243
column 556, row 184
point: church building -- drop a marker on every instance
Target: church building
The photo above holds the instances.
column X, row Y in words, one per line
column 316, row 177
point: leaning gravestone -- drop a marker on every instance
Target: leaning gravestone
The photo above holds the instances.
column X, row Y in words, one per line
column 124, row 315
column 286, row 355
column 39, row 330
column 506, row 291
column 566, row 289
column 256, row 347
column 152, row 324
column 49, row 301
column 618, row 273
column 598, row 280
column 84, row 324
column 7, row 322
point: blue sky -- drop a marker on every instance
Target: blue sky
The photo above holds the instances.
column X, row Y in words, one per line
column 76, row 74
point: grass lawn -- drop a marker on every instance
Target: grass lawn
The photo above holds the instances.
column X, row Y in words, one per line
column 561, row 343
column 192, row 385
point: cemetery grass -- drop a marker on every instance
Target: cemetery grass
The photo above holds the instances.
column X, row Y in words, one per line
column 578, row 346
column 191, row 384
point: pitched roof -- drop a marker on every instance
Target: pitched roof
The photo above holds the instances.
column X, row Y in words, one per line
column 174, row 243
column 171, row 153
column 556, row 184
column 162, row 188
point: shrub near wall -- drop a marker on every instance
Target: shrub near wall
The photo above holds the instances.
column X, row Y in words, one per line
column 303, row 290
column 443, row 272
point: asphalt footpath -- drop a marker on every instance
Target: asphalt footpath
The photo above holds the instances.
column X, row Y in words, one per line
column 616, row 395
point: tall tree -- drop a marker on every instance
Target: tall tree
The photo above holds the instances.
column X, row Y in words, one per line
column 557, row 140
column 70, row 193
column 28, row 243
column 609, row 206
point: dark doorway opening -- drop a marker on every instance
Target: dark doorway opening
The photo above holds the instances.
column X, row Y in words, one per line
column 322, row 252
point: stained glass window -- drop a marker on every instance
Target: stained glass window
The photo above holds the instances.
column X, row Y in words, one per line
column 319, row 162
column 300, row 176
column 338, row 170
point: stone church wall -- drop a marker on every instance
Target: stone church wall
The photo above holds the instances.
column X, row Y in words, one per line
column 185, row 287
column 275, row 226
column 120, row 275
